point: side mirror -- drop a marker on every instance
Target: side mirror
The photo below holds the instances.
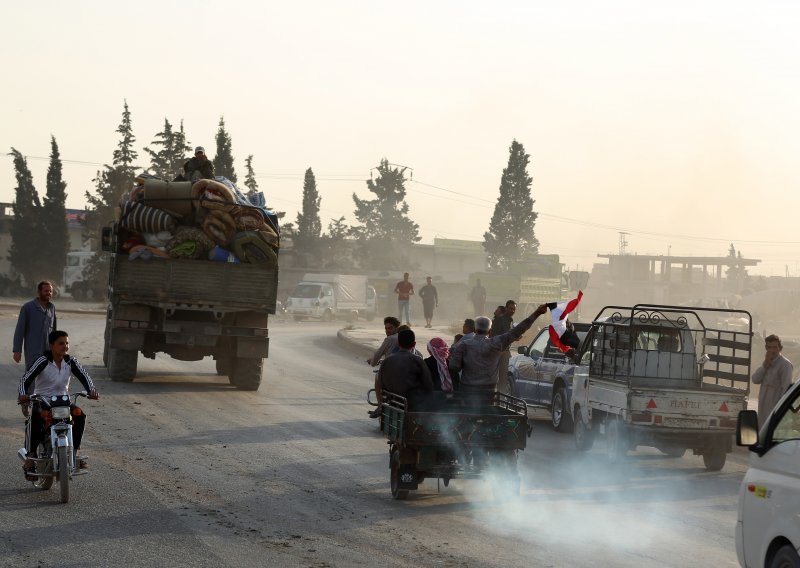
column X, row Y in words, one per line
column 523, row 350
column 747, row 428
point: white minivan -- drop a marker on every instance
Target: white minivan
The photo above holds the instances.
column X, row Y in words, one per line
column 768, row 526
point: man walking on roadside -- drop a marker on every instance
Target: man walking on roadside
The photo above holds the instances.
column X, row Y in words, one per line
column 430, row 300
column 404, row 290
column 478, row 297
column 774, row 376
column 37, row 318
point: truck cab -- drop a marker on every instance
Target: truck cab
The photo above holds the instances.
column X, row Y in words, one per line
column 768, row 527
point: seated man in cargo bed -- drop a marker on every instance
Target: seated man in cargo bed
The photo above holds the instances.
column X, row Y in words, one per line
column 404, row 373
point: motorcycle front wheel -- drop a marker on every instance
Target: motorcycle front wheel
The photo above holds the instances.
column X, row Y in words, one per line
column 63, row 473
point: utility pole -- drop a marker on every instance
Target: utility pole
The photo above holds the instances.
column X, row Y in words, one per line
column 623, row 242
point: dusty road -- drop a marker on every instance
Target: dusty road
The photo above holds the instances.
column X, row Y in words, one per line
column 187, row 471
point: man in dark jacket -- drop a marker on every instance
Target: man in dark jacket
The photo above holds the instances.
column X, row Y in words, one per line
column 405, row 373
column 199, row 167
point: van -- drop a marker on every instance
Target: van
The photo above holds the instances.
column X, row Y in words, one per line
column 768, row 523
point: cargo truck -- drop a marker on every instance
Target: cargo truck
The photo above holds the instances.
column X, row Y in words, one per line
column 329, row 296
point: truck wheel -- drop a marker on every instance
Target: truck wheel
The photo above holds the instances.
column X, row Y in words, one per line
column 122, row 364
column 223, row 366
column 584, row 438
column 616, row 440
column 370, row 316
column 785, row 557
column 714, row 460
column 394, row 476
column 246, row 374
column 327, row 315
column 562, row 421
column 77, row 292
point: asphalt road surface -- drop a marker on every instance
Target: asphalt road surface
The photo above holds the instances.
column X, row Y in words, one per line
column 185, row 470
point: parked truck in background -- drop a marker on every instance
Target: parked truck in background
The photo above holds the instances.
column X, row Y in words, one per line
column 75, row 282
column 662, row 376
column 187, row 309
column 329, row 296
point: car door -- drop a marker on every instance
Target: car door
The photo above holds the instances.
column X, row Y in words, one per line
column 552, row 360
column 528, row 366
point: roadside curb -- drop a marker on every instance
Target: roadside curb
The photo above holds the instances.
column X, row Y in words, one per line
column 355, row 347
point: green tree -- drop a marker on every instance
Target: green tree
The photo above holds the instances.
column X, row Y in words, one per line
column 55, row 232
column 309, row 227
column 223, row 160
column 334, row 246
column 386, row 231
column 162, row 159
column 110, row 184
column 510, row 237
column 182, row 150
column 250, row 179
column 26, row 244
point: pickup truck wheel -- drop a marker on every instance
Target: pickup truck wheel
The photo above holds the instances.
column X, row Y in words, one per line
column 561, row 420
column 394, row 476
column 122, row 364
column 327, row 315
column 77, row 292
column 616, row 440
column 714, row 460
column 785, row 557
column 246, row 374
column 584, row 438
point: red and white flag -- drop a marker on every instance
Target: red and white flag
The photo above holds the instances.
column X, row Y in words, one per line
column 560, row 311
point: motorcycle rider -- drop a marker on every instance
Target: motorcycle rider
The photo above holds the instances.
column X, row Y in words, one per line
column 49, row 376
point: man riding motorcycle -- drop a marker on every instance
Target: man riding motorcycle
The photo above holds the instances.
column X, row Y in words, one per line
column 49, row 376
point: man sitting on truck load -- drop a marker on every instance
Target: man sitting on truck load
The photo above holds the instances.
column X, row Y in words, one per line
column 199, row 167
column 404, row 373
column 478, row 358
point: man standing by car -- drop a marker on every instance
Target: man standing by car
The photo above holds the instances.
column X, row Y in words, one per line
column 774, row 376
column 501, row 324
column 478, row 358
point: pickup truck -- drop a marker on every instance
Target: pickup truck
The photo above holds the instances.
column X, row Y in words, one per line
column 664, row 376
column 541, row 375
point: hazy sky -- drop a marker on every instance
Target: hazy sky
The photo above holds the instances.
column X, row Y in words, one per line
column 676, row 122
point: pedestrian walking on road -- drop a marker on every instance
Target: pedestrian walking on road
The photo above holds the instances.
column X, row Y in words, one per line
column 774, row 376
column 404, row 290
column 37, row 318
column 430, row 300
column 478, row 297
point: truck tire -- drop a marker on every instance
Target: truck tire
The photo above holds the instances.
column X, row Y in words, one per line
column 584, row 437
column 77, row 292
column 561, row 420
column 327, row 315
column 617, row 442
column 370, row 316
column 714, row 459
column 246, row 374
column 122, row 364
column 224, row 365
column 785, row 557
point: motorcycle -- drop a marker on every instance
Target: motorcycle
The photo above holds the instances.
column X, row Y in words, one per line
column 56, row 460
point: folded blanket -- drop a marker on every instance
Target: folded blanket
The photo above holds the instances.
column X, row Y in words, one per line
column 212, row 195
column 145, row 252
column 194, row 235
column 250, row 246
column 248, row 219
column 219, row 226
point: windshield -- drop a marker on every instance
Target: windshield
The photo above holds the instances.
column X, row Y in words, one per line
column 306, row 291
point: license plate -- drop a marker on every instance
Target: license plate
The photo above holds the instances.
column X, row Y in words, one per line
column 685, row 423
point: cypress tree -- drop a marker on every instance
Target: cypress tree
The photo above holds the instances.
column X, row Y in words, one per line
column 181, row 151
column 223, row 160
column 386, row 230
column 161, row 160
column 510, row 237
column 55, row 231
column 307, row 234
column 250, row 178
column 25, row 253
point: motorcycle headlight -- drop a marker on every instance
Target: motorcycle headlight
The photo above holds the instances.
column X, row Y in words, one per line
column 60, row 411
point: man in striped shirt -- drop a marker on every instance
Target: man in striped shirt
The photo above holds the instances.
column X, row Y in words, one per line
column 49, row 376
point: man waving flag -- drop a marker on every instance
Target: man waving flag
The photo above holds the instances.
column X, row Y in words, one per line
column 560, row 311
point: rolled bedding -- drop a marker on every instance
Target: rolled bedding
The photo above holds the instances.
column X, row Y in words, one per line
column 212, row 194
column 252, row 247
column 143, row 219
column 219, row 226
